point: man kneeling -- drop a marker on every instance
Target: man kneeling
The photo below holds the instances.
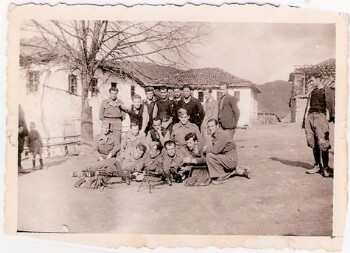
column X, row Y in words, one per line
column 221, row 155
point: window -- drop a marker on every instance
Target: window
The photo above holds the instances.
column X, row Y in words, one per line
column 33, row 81
column 93, row 87
column 72, row 84
column 113, row 85
column 200, row 96
column 237, row 94
column 132, row 90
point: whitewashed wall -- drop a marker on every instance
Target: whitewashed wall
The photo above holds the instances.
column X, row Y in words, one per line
column 55, row 111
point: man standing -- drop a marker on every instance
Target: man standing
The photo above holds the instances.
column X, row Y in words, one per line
column 149, row 101
column 316, row 124
column 222, row 155
column 164, row 108
column 137, row 112
column 176, row 101
column 110, row 112
column 192, row 105
column 211, row 112
column 229, row 113
column 22, row 134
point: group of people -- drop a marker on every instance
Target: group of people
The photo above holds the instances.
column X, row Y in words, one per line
column 173, row 136
column 176, row 137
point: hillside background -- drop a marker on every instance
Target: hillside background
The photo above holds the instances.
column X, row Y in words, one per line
column 274, row 98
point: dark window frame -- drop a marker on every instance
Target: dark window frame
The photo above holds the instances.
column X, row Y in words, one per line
column 94, row 87
column 201, row 96
column 33, row 81
column 72, row 84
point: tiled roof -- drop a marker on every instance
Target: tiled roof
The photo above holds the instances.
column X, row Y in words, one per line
column 326, row 69
column 143, row 72
column 205, row 77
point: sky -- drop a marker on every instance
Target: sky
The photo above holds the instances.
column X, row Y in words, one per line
column 263, row 52
column 258, row 52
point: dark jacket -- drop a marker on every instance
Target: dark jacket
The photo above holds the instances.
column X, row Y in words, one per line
column 330, row 104
column 24, row 133
column 194, row 109
column 228, row 112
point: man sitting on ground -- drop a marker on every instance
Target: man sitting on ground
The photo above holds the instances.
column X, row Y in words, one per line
column 106, row 144
column 106, row 147
column 154, row 162
column 173, row 160
column 222, row 155
column 131, row 162
column 195, row 162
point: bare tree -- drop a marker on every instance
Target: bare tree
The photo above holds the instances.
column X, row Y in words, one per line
column 86, row 45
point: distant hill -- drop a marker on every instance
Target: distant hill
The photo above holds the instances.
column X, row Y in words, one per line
column 274, row 97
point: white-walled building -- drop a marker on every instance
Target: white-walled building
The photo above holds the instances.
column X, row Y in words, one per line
column 50, row 95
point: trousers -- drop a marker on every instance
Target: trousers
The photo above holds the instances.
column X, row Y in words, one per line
column 317, row 131
column 219, row 165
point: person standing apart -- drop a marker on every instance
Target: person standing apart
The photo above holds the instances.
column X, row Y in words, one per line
column 111, row 112
column 229, row 113
column 192, row 105
column 221, row 155
column 316, row 125
column 211, row 112
column 35, row 145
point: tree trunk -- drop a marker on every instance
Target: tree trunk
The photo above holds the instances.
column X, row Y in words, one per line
column 86, row 115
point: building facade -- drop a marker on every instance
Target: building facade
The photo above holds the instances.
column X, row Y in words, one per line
column 301, row 89
column 50, row 96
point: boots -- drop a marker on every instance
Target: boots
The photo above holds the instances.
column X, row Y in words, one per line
column 33, row 161
column 315, row 169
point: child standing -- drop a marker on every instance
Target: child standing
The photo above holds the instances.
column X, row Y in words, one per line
column 35, row 145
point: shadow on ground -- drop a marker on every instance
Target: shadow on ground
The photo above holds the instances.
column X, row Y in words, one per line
column 48, row 163
column 293, row 163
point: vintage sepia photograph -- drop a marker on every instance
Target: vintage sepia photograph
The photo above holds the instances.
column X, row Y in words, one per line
column 167, row 127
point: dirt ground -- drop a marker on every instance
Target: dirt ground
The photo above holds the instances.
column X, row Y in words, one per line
column 280, row 199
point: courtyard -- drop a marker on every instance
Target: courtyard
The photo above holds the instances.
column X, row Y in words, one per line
column 279, row 199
